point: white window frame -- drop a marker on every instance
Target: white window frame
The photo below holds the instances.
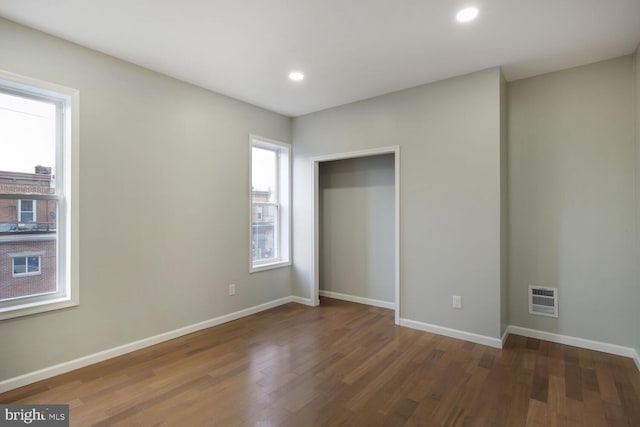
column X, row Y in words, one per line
column 34, row 214
column 66, row 195
column 283, row 202
column 26, row 263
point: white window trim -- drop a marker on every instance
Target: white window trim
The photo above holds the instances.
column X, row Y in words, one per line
column 34, row 212
column 67, row 184
column 283, row 227
column 26, row 263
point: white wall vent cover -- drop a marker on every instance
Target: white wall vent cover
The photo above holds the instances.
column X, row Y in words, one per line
column 543, row 301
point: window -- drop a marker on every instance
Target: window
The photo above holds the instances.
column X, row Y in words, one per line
column 26, row 265
column 38, row 239
column 270, row 203
column 27, row 211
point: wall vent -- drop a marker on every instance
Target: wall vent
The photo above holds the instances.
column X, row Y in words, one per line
column 543, row 301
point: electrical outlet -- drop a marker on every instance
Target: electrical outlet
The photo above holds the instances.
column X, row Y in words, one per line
column 232, row 289
column 457, row 302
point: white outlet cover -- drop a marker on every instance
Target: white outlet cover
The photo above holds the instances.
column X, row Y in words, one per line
column 457, row 301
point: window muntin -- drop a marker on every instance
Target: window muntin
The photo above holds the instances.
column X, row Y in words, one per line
column 270, row 201
column 36, row 134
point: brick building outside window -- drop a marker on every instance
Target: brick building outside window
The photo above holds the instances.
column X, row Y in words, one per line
column 27, row 235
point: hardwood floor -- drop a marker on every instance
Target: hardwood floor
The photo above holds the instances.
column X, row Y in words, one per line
column 344, row 364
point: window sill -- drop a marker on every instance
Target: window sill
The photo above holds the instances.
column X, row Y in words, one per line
column 33, row 273
column 39, row 307
column 269, row 266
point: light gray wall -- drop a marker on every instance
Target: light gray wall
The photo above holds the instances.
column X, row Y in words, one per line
column 504, row 207
column 357, row 226
column 449, row 134
column 637, row 148
column 163, row 178
column 571, row 200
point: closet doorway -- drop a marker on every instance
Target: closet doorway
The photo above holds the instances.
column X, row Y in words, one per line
column 356, row 218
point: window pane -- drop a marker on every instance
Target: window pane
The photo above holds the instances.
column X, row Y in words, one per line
column 33, row 263
column 35, row 272
column 19, row 265
column 27, row 134
column 263, row 234
column 263, row 175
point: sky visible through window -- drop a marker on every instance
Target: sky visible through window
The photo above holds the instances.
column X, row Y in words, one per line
column 26, row 129
column 263, row 169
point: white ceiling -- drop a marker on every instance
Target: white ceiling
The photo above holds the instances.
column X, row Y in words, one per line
column 348, row 49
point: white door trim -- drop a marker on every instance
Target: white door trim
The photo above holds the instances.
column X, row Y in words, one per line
column 315, row 241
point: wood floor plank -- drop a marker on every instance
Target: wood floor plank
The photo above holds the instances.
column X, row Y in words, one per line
column 344, row 364
column 594, row 414
column 573, row 381
column 607, row 385
column 519, row 406
column 540, row 385
column 538, row 414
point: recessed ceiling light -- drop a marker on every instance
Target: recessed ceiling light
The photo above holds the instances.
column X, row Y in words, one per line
column 296, row 76
column 467, row 14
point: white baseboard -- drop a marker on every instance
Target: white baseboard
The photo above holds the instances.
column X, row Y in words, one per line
column 359, row 300
column 505, row 335
column 577, row 342
column 304, row 301
column 52, row 371
column 453, row 333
